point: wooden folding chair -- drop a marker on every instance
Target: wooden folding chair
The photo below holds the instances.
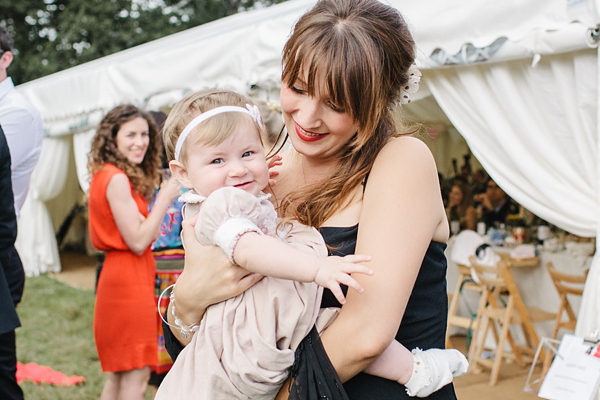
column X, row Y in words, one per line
column 502, row 305
column 565, row 284
column 464, row 283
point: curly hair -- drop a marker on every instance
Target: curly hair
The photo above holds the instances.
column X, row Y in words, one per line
column 360, row 51
column 145, row 176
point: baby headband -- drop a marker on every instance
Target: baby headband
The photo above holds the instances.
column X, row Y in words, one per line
column 250, row 110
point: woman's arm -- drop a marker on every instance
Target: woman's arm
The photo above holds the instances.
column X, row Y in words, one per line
column 402, row 212
column 137, row 231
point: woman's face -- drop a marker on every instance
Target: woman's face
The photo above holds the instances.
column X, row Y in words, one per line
column 133, row 139
column 455, row 196
column 316, row 126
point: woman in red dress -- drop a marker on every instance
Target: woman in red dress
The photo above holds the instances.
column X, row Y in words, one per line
column 123, row 164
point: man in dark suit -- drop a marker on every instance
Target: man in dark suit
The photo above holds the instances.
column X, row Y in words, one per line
column 12, row 280
column 497, row 206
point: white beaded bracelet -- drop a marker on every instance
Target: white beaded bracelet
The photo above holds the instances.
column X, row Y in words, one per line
column 186, row 331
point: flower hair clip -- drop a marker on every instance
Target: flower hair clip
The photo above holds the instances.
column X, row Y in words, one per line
column 412, row 86
column 255, row 114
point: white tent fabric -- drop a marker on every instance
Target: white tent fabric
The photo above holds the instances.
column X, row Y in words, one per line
column 517, row 78
column 540, row 140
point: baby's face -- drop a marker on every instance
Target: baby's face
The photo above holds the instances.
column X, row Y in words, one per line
column 239, row 161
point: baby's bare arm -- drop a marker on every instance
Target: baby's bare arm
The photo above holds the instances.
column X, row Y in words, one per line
column 269, row 256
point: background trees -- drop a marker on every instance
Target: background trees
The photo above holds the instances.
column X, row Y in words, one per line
column 52, row 35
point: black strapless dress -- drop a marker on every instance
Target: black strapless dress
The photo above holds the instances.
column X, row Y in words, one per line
column 423, row 324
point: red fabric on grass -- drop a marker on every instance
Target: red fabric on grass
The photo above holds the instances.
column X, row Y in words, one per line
column 33, row 372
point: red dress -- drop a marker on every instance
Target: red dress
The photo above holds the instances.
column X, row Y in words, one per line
column 125, row 313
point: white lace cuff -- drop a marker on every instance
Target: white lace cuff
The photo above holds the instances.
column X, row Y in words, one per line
column 228, row 234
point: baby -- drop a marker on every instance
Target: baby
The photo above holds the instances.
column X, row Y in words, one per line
column 244, row 347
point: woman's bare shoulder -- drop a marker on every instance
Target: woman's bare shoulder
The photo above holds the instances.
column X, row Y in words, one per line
column 405, row 154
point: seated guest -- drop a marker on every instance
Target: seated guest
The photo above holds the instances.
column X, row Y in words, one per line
column 479, row 180
column 496, row 205
column 460, row 207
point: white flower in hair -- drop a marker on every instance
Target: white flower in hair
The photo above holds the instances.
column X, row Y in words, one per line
column 414, row 77
column 255, row 113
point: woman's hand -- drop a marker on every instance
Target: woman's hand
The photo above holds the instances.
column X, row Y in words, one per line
column 208, row 277
column 170, row 189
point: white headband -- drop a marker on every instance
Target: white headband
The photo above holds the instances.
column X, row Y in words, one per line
column 252, row 111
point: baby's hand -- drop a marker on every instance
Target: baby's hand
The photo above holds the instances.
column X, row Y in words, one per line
column 336, row 270
column 273, row 162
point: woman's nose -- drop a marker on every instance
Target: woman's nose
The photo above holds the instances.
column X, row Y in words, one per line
column 309, row 113
column 138, row 140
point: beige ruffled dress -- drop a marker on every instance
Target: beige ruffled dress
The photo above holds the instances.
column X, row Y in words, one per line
column 245, row 346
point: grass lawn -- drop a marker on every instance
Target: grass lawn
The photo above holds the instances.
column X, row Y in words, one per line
column 57, row 332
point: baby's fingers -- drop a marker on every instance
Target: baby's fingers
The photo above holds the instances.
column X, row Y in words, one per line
column 347, row 280
column 357, row 258
column 337, row 292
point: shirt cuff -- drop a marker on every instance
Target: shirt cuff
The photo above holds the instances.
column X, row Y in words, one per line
column 230, row 232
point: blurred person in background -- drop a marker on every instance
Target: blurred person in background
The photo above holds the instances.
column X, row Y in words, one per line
column 22, row 125
column 124, row 164
column 460, row 210
column 22, row 133
column 496, row 206
column 10, row 289
column 479, row 180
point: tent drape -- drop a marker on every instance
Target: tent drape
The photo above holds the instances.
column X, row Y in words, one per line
column 36, row 242
column 534, row 129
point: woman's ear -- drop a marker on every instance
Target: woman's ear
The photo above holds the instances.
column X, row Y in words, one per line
column 179, row 171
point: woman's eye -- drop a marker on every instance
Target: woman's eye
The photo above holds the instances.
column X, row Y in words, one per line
column 296, row 89
column 217, row 161
column 335, row 108
column 247, row 154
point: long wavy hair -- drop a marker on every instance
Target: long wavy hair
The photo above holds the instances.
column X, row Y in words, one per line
column 360, row 51
column 145, row 176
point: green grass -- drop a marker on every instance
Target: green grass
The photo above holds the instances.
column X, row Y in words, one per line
column 57, row 332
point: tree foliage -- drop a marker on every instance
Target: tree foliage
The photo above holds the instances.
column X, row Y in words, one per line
column 52, row 35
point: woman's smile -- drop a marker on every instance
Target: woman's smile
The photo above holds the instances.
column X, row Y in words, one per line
column 308, row 136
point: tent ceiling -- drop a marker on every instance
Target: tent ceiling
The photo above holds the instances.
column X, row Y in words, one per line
column 243, row 50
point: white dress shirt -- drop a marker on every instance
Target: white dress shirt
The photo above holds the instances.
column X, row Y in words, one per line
column 22, row 125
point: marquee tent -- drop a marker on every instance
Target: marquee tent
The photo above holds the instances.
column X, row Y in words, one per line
column 517, row 78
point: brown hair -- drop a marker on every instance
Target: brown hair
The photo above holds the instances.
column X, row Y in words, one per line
column 360, row 51
column 143, row 177
column 215, row 129
column 467, row 198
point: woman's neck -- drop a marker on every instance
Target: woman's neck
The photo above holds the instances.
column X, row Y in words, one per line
column 313, row 170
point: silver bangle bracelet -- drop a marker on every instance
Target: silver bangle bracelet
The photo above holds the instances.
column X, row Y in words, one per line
column 186, row 331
